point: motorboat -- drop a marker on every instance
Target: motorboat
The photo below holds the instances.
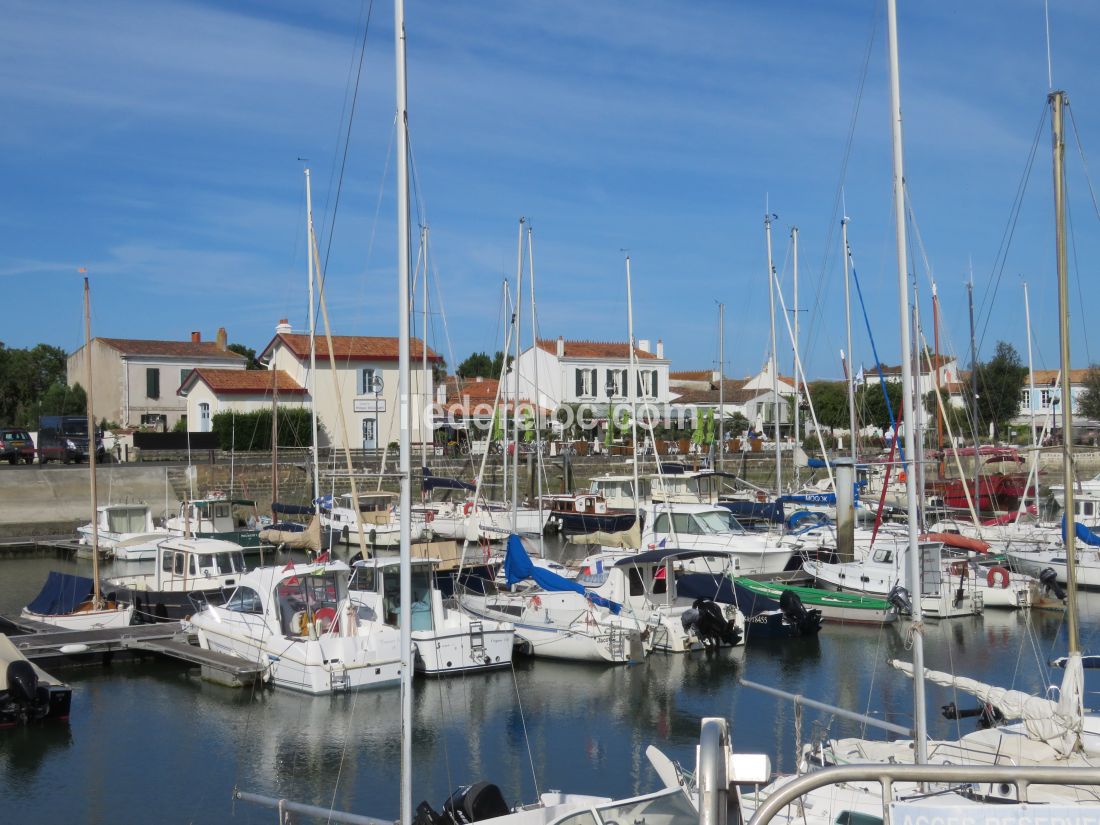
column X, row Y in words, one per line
column 708, row 527
column 834, row 605
column 586, row 513
column 300, row 622
column 27, row 692
column 445, row 640
column 213, row 518
column 188, row 575
column 126, row 531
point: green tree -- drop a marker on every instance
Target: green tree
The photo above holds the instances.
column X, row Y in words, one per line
column 249, row 353
column 25, row 376
column 1000, row 380
column 830, row 399
column 871, row 403
column 1088, row 403
column 477, row 365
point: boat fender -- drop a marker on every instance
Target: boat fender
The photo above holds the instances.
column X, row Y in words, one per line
column 995, row 573
column 429, row 516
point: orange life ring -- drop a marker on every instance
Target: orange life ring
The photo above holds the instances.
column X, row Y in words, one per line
column 429, row 516
column 959, row 568
column 325, row 615
column 536, row 602
column 901, row 476
column 467, row 508
column 995, row 573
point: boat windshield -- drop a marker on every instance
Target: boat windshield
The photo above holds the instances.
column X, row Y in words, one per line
column 670, row 807
column 715, row 521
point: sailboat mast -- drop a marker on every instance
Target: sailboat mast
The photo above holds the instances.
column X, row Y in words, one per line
column 424, row 349
column 632, row 383
column 797, row 441
column 536, row 396
column 852, row 425
column 312, row 354
column 974, row 395
column 920, row 723
column 518, row 316
column 1057, row 110
column 775, row 374
column 721, row 383
column 1030, row 372
column 936, row 378
column 96, row 596
column 405, row 504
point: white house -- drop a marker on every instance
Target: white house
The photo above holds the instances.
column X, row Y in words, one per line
column 211, row 391
column 946, row 366
column 136, row 380
column 366, row 384
column 558, row 372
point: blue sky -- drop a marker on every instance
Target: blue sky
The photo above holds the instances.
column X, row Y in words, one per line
column 157, row 143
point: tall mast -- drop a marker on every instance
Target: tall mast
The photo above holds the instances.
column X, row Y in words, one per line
column 936, row 374
column 517, row 315
column 920, row 726
column 974, row 394
column 774, row 367
column 312, row 355
column 96, row 596
column 502, row 394
column 848, row 325
column 424, row 349
column 1057, row 108
column 797, row 441
column 721, row 382
column 274, row 434
column 536, row 397
column 403, row 402
column 1030, row 372
column 632, row 384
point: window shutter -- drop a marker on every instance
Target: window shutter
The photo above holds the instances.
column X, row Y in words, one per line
column 580, row 382
column 152, row 382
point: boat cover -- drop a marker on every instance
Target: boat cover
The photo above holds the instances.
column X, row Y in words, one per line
column 518, row 566
column 308, row 539
column 810, row 498
column 61, row 594
column 1083, row 533
column 625, row 539
column 713, row 586
column 1059, row 724
column 759, row 510
column 430, row 483
column 291, row 509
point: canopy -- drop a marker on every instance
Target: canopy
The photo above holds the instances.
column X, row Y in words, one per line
column 518, row 566
column 61, row 594
column 1083, row 533
column 291, row 509
column 1059, row 724
column 625, row 539
column 809, row 498
column 308, row 539
column 430, row 483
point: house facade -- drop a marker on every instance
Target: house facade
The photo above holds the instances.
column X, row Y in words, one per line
column 208, row 392
column 945, row 367
column 136, row 381
column 557, row 372
column 366, row 370
column 1044, row 407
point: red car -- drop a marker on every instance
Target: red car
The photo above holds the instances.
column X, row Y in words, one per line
column 16, row 445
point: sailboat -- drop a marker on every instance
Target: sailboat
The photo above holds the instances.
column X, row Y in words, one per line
column 75, row 602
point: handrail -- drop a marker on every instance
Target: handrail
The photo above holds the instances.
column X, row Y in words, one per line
column 887, row 774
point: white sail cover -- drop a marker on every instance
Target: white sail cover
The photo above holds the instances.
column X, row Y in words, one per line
column 1059, row 724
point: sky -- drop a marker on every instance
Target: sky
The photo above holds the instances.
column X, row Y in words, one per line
column 159, row 145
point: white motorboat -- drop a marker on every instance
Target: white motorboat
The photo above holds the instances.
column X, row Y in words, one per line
column 300, row 622
column 705, row 527
column 214, row 518
column 126, row 531
column 188, row 575
column 496, row 522
column 445, row 640
column 375, row 516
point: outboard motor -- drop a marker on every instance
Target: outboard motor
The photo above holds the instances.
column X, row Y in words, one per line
column 807, row 622
column 472, row 803
column 24, row 691
column 1049, row 579
column 710, row 624
column 899, row 598
column 988, row 715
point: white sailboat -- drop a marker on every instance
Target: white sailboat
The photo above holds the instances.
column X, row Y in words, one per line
column 74, row 602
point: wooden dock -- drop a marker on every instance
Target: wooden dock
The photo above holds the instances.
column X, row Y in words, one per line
column 47, row 643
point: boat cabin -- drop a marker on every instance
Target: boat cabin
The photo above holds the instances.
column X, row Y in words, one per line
column 208, row 517
column 618, row 491
column 699, row 487
column 589, row 504
column 695, row 522
column 374, row 508
column 125, row 518
column 381, row 578
column 184, row 563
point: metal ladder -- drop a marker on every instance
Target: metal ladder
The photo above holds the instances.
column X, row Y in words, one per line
column 616, row 644
column 338, row 680
column 477, row 640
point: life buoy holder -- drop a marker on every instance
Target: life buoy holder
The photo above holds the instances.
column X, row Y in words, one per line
column 467, row 508
column 429, row 516
column 995, row 573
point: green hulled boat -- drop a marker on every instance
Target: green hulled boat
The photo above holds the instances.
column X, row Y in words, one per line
column 834, row 606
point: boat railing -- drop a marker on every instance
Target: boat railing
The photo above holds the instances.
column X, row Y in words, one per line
column 887, row 775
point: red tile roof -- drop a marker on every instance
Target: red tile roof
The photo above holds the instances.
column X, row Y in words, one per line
column 176, row 349
column 595, row 349
column 691, row 375
column 1049, row 378
column 242, row 382
column 475, row 389
column 352, row 347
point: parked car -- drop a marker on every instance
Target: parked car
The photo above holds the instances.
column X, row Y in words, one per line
column 65, row 438
column 16, row 445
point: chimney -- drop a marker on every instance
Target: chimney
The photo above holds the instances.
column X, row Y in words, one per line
column 643, row 344
column 660, row 348
column 561, row 347
column 196, row 337
column 283, row 327
column 222, row 339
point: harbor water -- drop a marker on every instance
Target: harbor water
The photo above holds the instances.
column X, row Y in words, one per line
column 150, row 741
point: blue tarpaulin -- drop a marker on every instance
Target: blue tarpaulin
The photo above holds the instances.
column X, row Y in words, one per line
column 518, row 566
column 61, row 594
column 291, row 509
column 1083, row 533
